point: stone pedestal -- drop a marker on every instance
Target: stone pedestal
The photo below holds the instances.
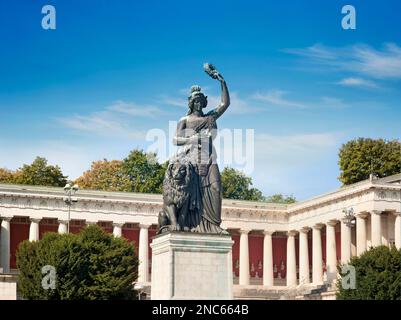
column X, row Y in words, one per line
column 191, row 266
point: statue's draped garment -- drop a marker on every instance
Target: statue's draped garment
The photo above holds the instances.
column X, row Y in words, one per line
column 204, row 213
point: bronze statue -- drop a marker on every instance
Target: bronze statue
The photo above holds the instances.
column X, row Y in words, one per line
column 192, row 191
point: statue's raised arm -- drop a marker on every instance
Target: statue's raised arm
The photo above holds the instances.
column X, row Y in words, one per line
column 225, row 96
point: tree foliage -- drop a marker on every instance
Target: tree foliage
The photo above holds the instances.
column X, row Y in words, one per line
column 144, row 171
column 360, row 157
column 377, row 275
column 138, row 172
column 236, row 185
column 6, row 176
column 279, row 198
column 36, row 173
column 105, row 175
column 91, row 265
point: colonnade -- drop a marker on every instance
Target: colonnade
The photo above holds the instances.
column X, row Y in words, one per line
column 315, row 276
column 306, row 276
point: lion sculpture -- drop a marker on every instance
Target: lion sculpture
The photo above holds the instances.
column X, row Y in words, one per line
column 177, row 185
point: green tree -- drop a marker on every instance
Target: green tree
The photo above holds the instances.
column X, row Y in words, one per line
column 236, row 185
column 279, row 198
column 377, row 276
column 360, row 157
column 105, row 175
column 91, row 265
column 40, row 173
column 6, row 176
column 144, row 171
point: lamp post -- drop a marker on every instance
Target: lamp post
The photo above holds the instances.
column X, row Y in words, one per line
column 349, row 217
column 138, row 287
column 70, row 189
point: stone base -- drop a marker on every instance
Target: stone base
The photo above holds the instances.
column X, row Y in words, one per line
column 191, row 266
column 8, row 287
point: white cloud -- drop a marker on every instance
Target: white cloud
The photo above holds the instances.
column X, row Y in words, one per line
column 277, row 97
column 133, row 109
column 101, row 123
column 384, row 63
column 176, row 102
column 357, row 82
column 112, row 120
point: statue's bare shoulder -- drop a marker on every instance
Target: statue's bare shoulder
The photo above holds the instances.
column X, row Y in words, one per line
column 182, row 122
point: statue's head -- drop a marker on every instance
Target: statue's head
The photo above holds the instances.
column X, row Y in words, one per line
column 196, row 100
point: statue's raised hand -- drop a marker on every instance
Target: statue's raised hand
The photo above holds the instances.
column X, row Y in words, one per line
column 212, row 72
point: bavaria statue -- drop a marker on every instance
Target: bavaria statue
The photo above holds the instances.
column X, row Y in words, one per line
column 192, row 191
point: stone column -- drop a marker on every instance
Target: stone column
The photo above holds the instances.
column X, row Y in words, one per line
column 118, row 229
column 397, row 230
column 291, row 260
column 34, row 229
column 143, row 269
column 62, row 226
column 244, row 258
column 345, row 242
column 317, row 261
column 268, row 278
column 360, row 233
column 5, row 243
column 331, row 251
column 304, row 277
column 376, row 225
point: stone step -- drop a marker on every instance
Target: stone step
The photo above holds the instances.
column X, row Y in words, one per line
column 283, row 293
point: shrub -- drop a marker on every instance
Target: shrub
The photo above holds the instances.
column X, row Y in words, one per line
column 377, row 274
column 91, row 265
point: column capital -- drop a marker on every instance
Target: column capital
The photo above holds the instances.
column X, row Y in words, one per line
column 318, row 226
column 361, row 215
column 375, row 212
column 35, row 220
column 90, row 222
column 62, row 221
column 396, row 213
column 292, row 233
column 268, row 232
column 244, row 231
column 144, row 226
column 332, row 223
column 118, row 224
column 305, row 229
column 3, row 218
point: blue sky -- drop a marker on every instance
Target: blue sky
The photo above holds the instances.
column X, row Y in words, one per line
column 113, row 70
